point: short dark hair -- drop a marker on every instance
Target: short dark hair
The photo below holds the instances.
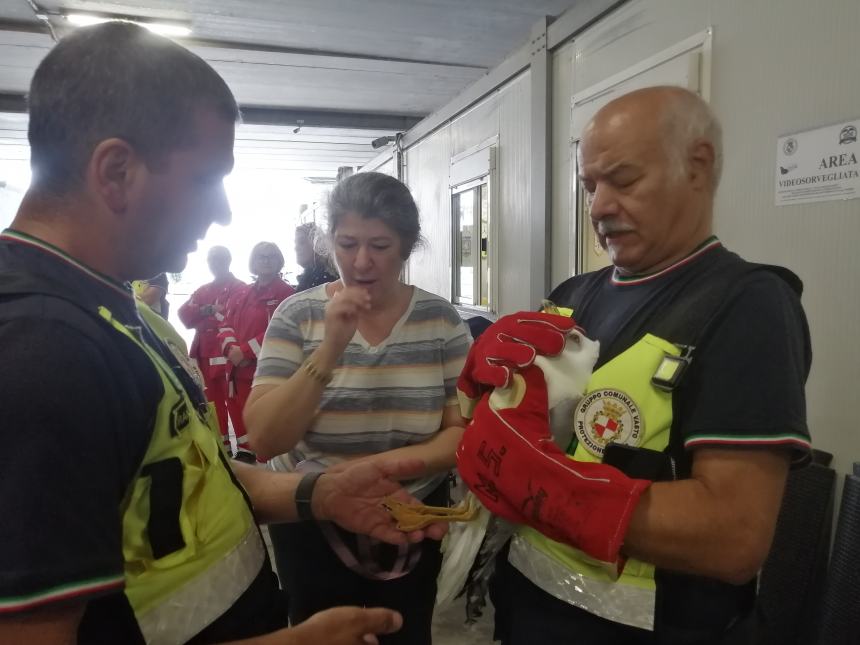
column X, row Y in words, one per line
column 379, row 196
column 116, row 79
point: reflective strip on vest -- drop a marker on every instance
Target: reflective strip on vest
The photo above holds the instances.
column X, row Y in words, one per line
column 620, row 405
column 255, row 346
column 218, row 360
column 620, row 603
column 189, row 609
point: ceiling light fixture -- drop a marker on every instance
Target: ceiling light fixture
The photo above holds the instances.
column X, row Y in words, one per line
column 161, row 28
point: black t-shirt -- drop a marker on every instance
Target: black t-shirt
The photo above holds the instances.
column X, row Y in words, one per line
column 318, row 274
column 77, row 407
column 744, row 386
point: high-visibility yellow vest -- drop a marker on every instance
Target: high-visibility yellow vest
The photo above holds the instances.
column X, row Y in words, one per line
column 622, row 405
column 190, row 544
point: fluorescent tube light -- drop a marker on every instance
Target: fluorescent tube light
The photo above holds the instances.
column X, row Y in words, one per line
column 163, row 29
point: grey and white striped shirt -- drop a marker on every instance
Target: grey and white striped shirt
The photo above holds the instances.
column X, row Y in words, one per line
column 380, row 397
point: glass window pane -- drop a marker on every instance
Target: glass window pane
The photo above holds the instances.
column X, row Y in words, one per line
column 457, row 246
column 484, row 263
column 463, row 206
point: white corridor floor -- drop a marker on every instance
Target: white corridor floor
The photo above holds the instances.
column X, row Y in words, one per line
column 449, row 627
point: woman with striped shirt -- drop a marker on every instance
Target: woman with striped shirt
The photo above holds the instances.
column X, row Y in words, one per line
column 362, row 368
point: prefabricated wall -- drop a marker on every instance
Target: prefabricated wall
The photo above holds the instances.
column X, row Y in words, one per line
column 503, row 119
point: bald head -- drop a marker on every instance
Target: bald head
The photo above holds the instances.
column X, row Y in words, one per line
column 676, row 116
column 650, row 163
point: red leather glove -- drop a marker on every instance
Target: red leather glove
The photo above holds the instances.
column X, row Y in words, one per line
column 508, row 459
column 509, row 344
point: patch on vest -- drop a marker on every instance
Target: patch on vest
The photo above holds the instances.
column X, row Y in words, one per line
column 179, row 418
column 607, row 416
column 187, row 363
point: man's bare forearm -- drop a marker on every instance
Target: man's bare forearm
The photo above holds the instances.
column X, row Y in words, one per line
column 720, row 522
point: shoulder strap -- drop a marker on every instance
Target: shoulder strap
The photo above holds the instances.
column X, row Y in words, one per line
column 699, row 312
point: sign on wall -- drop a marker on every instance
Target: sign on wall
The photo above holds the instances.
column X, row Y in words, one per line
column 818, row 165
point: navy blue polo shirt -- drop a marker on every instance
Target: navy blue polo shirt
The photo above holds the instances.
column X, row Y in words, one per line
column 77, row 410
column 76, row 413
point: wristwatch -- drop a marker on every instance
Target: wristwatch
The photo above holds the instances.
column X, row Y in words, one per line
column 304, row 492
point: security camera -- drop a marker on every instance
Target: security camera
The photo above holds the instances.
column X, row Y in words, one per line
column 382, row 141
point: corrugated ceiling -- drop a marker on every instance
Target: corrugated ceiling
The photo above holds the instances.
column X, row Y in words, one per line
column 376, row 66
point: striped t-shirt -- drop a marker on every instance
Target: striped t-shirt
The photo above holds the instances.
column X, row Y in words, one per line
column 380, row 397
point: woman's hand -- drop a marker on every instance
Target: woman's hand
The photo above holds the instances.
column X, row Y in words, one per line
column 341, row 316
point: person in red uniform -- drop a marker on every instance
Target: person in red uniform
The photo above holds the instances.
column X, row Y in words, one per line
column 204, row 312
column 247, row 316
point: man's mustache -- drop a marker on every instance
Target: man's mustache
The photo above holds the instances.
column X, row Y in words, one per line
column 606, row 227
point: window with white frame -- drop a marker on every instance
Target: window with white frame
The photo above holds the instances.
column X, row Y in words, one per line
column 473, row 239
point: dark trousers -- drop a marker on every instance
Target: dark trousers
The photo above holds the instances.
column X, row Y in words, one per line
column 316, row 579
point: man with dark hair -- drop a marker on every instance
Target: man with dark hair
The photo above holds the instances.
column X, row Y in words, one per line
column 117, row 82
column 125, row 522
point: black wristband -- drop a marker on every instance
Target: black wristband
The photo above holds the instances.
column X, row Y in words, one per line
column 304, row 492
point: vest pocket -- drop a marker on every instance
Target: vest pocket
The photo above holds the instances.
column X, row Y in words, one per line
column 165, row 505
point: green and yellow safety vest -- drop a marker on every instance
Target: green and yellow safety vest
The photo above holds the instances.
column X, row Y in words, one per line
column 620, row 405
column 191, row 546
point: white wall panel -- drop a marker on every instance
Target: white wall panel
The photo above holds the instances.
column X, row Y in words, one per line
column 561, row 244
column 426, row 174
column 385, row 166
column 514, row 194
column 763, row 87
column 504, row 114
column 636, row 31
column 476, row 125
